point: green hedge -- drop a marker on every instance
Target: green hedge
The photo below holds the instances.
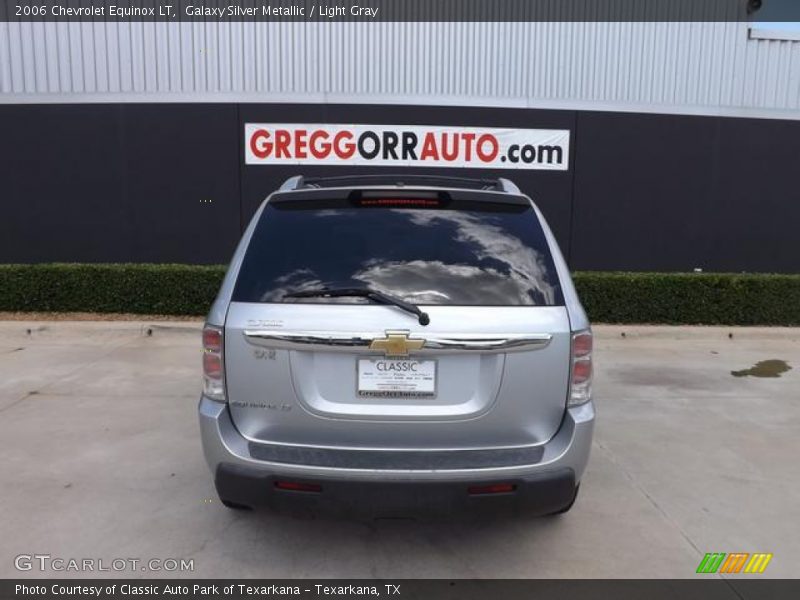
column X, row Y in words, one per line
column 109, row 288
column 703, row 298
column 691, row 298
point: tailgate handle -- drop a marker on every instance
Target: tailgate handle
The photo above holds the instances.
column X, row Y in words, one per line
column 349, row 342
column 488, row 343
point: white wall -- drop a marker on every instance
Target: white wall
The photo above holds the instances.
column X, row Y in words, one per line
column 705, row 68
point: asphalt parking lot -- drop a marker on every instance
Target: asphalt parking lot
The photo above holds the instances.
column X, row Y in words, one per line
column 102, row 459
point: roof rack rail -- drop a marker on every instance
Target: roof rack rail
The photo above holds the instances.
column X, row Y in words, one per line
column 498, row 185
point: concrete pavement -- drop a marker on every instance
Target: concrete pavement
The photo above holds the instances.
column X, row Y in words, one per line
column 101, row 459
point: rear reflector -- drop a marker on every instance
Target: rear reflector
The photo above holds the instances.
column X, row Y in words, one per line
column 296, row 486
column 495, row 488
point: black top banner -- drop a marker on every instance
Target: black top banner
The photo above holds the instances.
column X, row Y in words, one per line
column 392, row 10
column 713, row 588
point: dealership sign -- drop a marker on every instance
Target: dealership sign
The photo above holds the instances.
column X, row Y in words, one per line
column 405, row 145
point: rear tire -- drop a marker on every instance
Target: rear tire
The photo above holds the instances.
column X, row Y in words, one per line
column 234, row 505
column 568, row 506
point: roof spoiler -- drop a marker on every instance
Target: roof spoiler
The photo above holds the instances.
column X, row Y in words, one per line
column 500, row 184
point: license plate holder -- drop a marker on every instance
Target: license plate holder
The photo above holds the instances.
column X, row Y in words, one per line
column 396, row 378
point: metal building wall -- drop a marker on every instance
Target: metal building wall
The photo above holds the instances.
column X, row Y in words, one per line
column 707, row 68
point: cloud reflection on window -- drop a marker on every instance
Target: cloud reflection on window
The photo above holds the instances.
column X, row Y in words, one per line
column 519, row 271
column 447, row 257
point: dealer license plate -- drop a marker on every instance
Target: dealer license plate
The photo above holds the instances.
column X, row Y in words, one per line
column 396, row 378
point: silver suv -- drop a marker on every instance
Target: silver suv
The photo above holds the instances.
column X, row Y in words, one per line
column 397, row 342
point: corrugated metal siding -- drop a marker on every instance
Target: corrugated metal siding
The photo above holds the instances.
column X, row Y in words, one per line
column 665, row 64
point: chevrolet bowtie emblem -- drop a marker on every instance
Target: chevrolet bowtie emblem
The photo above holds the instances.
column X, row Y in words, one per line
column 396, row 344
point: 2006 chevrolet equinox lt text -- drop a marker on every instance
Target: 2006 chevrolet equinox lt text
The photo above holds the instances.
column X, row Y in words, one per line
column 400, row 341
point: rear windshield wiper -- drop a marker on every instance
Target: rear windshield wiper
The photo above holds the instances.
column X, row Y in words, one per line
column 373, row 295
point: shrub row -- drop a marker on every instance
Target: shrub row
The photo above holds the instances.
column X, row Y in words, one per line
column 109, row 288
column 676, row 298
column 691, row 298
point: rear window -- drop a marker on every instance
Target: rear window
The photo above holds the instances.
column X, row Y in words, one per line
column 451, row 252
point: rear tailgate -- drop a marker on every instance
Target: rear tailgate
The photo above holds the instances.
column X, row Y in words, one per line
column 500, row 376
column 491, row 367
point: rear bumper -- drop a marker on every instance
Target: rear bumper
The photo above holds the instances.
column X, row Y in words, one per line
column 543, row 477
column 539, row 494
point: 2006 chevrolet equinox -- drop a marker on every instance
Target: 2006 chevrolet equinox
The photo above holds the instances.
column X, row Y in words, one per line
column 404, row 341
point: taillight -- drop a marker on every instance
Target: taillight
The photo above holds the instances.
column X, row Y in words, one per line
column 580, row 385
column 213, row 367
